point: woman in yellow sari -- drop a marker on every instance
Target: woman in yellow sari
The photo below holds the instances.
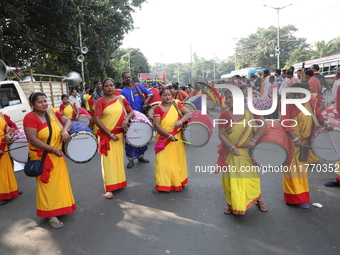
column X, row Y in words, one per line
column 54, row 194
column 69, row 109
column 111, row 118
column 295, row 182
column 240, row 180
column 8, row 182
column 171, row 171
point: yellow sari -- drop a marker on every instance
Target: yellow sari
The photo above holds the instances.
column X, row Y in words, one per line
column 113, row 170
column 242, row 189
column 295, row 182
column 54, row 195
column 69, row 111
column 171, row 171
column 8, row 182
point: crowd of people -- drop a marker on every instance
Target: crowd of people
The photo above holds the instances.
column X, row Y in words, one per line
column 110, row 107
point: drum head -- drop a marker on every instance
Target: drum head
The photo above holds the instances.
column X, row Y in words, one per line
column 269, row 154
column 20, row 155
column 190, row 106
column 327, row 139
column 81, row 147
column 210, row 104
column 197, row 134
column 141, row 130
column 85, row 119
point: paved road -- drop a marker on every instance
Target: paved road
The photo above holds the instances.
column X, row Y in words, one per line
column 137, row 221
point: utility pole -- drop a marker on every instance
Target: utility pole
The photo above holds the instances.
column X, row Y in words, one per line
column 82, row 56
column 277, row 48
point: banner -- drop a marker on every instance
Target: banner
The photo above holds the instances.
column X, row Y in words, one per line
column 150, row 77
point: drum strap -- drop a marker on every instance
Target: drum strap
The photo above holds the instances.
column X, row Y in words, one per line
column 310, row 109
column 139, row 91
column 121, row 101
column 6, row 126
column 50, row 111
column 177, row 109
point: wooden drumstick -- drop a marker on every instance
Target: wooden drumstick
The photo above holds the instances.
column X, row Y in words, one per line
column 319, row 147
column 132, row 128
column 266, row 149
column 16, row 148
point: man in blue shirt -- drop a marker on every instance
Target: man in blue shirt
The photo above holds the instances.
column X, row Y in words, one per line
column 135, row 98
column 279, row 78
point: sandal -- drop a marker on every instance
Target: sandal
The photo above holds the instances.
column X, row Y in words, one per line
column 130, row 164
column 3, row 202
column 55, row 219
column 109, row 195
column 143, row 160
column 227, row 210
column 262, row 206
column 155, row 191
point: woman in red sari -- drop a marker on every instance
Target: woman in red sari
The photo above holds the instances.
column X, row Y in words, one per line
column 54, row 194
column 8, row 182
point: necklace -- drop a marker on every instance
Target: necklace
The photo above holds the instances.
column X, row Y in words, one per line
column 109, row 99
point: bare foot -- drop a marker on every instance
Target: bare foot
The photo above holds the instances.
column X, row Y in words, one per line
column 109, row 195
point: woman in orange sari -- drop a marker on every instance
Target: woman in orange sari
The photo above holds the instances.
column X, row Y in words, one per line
column 8, row 182
column 241, row 187
column 111, row 118
column 69, row 109
column 54, row 194
column 171, row 171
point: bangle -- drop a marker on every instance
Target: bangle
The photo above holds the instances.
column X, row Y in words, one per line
column 295, row 139
column 254, row 140
column 53, row 150
column 111, row 135
column 232, row 148
column 169, row 136
column 181, row 122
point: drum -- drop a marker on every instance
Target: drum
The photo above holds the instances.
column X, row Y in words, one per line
column 84, row 116
column 197, row 101
column 18, row 150
column 81, row 147
column 190, row 106
column 199, row 129
column 273, row 147
column 151, row 108
column 326, row 144
column 210, row 104
column 330, row 112
column 140, row 126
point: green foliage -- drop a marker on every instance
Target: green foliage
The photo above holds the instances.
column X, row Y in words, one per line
column 44, row 34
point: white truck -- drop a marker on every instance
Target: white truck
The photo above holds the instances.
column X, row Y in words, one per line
column 14, row 96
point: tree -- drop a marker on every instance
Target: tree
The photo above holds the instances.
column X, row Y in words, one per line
column 324, row 49
column 44, row 35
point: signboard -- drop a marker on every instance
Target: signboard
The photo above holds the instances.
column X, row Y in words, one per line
column 150, row 77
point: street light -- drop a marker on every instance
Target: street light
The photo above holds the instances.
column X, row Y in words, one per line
column 277, row 48
column 235, row 39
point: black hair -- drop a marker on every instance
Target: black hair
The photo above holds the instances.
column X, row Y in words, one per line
column 271, row 78
column 292, row 68
column 309, row 72
column 266, row 72
column 175, row 86
column 290, row 71
column 300, row 85
column 95, row 82
column 63, row 96
column 278, row 71
column 107, row 79
column 118, row 84
column 33, row 97
column 316, row 67
column 161, row 90
column 91, row 91
column 183, row 88
column 284, row 71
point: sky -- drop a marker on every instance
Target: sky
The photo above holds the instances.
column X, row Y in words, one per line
column 169, row 30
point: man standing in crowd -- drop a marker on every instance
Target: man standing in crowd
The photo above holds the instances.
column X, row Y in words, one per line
column 178, row 94
column 75, row 98
column 335, row 86
column 291, row 78
column 314, row 83
column 265, row 83
column 278, row 76
column 315, row 68
column 134, row 94
column 98, row 90
column 284, row 83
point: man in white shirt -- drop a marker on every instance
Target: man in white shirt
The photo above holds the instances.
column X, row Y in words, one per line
column 75, row 98
column 335, row 86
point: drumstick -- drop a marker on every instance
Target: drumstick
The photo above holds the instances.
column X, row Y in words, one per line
column 18, row 142
column 319, row 147
column 132, row 128
column 266, row 149
column 184, row 141
column 129, row 137
column 16, row 148
column 246, row 156
column 330, row 135
column 77, row 138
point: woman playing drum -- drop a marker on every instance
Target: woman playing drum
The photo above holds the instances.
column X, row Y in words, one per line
column 241, row 188
column 295, row 181
column 54, row 195
column 69, row 109
column 171, row 171
column 111, row 118
column 8, row 182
